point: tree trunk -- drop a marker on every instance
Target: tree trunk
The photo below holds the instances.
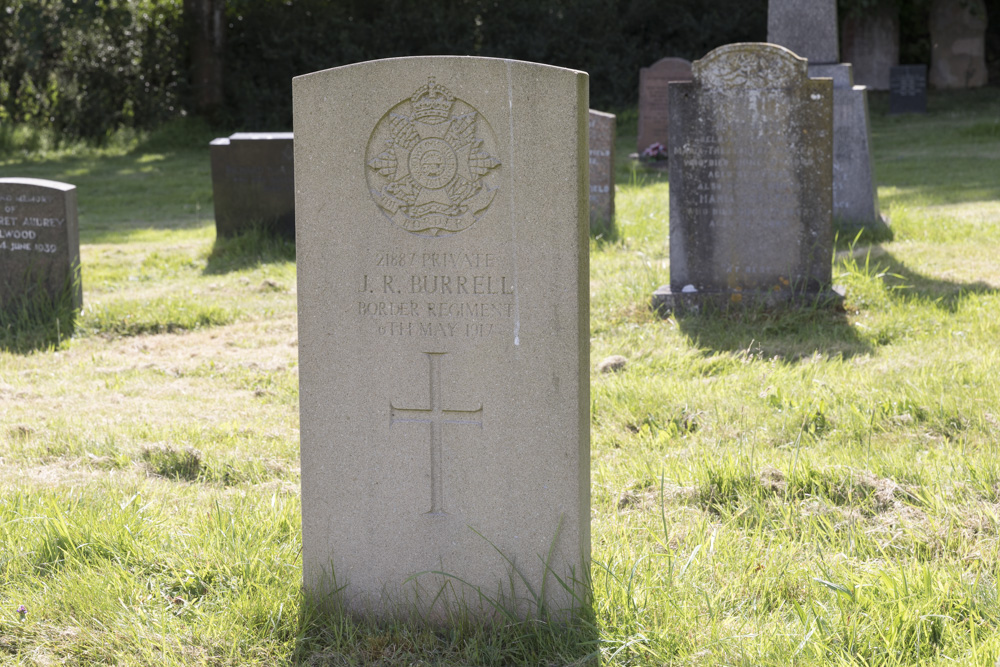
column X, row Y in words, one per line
column 206, row 21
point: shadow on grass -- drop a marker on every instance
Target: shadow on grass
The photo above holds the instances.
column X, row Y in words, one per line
column 257, row 245
column 904, row 282
column 785, row 332
column 792, row 334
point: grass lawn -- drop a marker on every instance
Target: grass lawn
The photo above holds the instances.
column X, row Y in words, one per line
column 769, row 488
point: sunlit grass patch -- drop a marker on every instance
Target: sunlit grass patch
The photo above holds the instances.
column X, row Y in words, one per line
column 159, row 315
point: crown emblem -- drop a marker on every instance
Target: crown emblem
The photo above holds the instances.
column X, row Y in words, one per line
column 432, row 103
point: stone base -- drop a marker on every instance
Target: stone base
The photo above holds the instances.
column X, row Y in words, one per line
column 666, row 301
column 855, row 198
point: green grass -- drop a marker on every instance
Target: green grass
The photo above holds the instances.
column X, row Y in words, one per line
column 791, row 487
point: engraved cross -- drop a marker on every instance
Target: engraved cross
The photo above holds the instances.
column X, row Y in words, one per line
column 437, row 417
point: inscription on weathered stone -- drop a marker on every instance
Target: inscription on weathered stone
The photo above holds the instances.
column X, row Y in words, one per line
column 39, row 241
column 442, row 235
column 602, row 172
column 750, row 180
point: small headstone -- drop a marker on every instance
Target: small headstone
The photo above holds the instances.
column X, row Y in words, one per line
column 751, row 197
column 442, row 243
column 653, row 102
column 908, row 89
column 958, row 44
column 39, row 242
column 806, row 27
column 253, row 183
column 602, row 172
column 870, row 42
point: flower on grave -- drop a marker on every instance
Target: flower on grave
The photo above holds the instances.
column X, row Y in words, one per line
column 655, row 151
column 22, row 610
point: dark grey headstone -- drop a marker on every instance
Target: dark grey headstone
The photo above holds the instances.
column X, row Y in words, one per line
column 806, row 27
column 958, row 44
column 751, row 196
column 253, row 183
column 908, row 89
column 39, row 241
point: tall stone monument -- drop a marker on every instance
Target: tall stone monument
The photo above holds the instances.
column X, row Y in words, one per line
column 39, row 242
column 654, row 110
column 253, row 183
column 602, row 172
column 442, row 243
column 809, row 29
column 751, row 199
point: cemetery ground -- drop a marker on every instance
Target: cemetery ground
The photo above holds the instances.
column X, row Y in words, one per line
column 791, row 487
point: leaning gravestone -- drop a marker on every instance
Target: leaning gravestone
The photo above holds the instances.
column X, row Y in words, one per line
column 602, row 172
column 908, row 89
column 654, row 111
column 750, row 181
column 39, row 242
column 809, row 29
column 253, row 183
column 442, row 242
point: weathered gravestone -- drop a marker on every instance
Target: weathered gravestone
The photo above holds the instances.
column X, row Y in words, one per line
column 908, row 89
column 253, row 183
column 654, row 109
column 39, row 242
column 870, row 42
column 809, row 29
column 958, row 44
column 750, row 181
column 602, row 172
column 442, row 242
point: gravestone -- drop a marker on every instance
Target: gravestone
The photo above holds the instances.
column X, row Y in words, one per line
column 602, row 172
column 39, row 242
column 653, row 102
column 806, row 27
column 870, row 42
column 442, row 244
column 809, row 29
column 908, row 89
column 751, row 197
column 253, row 183
column 958, row 44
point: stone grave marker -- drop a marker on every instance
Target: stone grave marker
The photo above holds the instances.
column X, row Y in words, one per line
column 807, row 27
column 958, row 44
column 39, row 242
column 653, row 101
column 602, row 171
column 908, row 89
column 253, row 183
column 751, row 197
column 870, row 42
column 442, row 245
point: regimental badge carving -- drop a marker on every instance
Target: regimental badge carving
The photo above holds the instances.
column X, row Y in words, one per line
column 432, row 165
